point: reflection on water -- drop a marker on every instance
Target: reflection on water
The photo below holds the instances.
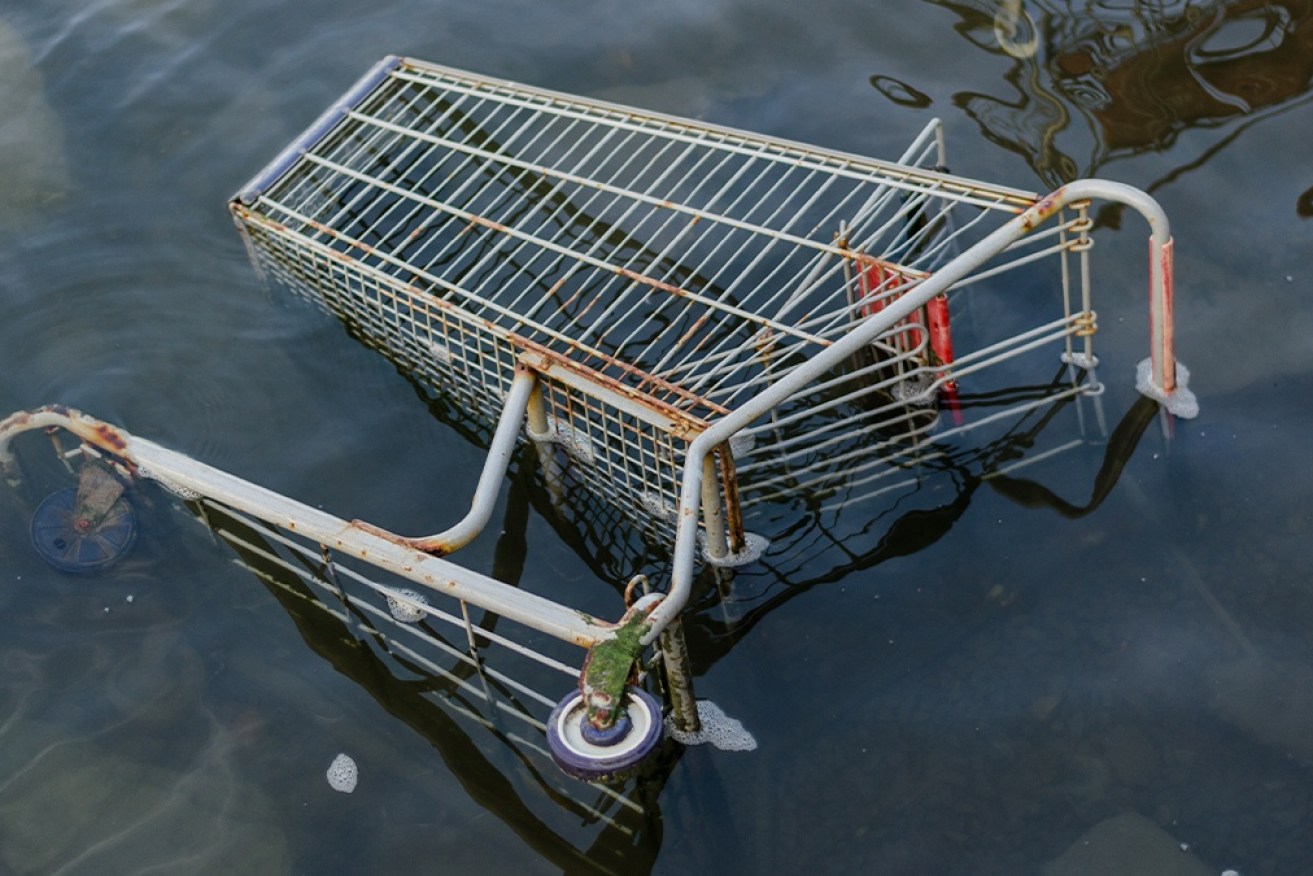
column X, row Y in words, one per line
column 821, row 547
column 32, row 160
column 158, row 783
column 1110, row 81
column 502, row 773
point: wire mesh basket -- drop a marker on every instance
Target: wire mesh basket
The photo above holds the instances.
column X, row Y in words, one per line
column 690, row 323
column 655, row 273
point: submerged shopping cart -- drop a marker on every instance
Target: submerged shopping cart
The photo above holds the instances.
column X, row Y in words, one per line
column 687, row 322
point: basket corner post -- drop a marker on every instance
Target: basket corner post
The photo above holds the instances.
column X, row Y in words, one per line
column 679, row 678
column 1161, row 291
column 1161, row 376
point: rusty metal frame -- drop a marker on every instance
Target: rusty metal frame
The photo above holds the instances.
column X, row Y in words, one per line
column 653, row 326
column 1164, row 375
column 407, row 557
column 638, row 216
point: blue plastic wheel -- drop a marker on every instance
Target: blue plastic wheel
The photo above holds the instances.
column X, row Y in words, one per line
column 71, row 545
column 603, row 756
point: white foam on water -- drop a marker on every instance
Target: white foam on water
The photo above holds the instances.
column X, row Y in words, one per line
column 342, row 774
column 441, row 353
column 741, row 444
column 656, row 505
column 404, row 608
column 1181, row 402
column 718, row 729
column 573, row 440
column 178, row 490
column 754, row 546
column 914, row 390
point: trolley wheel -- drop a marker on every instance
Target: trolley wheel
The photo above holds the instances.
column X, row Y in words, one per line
column 603, row 755
column 71, row 546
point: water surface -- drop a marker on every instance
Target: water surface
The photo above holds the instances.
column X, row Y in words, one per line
column 970, row 690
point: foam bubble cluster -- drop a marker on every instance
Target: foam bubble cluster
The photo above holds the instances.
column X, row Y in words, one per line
column 441, row 353
column 405, row 606
column 178, row 490
column 741, row 444
column 754, row 546
column 1180, row 402
column 342, row 774
column 578, row 445
column 914, row 389
column 656, row 505
column 719, row 729
column 573, row 440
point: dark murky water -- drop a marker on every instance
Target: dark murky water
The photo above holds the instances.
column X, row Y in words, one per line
column 966, row 692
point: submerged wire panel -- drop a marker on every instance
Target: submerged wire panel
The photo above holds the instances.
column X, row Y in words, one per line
column 656, row 272
column 450, row 671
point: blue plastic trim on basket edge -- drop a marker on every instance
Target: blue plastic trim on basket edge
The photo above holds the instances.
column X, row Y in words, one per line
column 311, row 136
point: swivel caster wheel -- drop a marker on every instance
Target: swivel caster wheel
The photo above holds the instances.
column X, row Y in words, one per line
column 613, row 755
column 77, row 546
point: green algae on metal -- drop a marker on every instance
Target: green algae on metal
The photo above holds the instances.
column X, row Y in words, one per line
column 609, row 666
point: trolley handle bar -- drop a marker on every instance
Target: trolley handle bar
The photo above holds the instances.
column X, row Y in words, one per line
column 1163, row 377
column 178, row 471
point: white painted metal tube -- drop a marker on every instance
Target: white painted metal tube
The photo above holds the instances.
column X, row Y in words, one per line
column 494, row 471
column 180, row 472
column 797, row 379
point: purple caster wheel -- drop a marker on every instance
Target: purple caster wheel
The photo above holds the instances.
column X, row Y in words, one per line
column 603, row 755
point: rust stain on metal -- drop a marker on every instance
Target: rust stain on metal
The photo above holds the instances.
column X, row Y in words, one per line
column 378, row 531
column 16, row 422
column 489, row 223
column 729, row 483
column 110, row 438
column 556, row 288
column 863, row 260
column 433, row 547
column 689, row 423
column 677, row 291
column 1168, row 351
column 697, row 326
column 1042, row 209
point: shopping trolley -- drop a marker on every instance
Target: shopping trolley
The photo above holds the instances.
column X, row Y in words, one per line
column 687, row 322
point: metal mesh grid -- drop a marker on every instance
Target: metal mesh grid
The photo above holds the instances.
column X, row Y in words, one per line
column 640, row 473
column 658, row 271
column 650, row 250
column 504, row 684
column 860, row 431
